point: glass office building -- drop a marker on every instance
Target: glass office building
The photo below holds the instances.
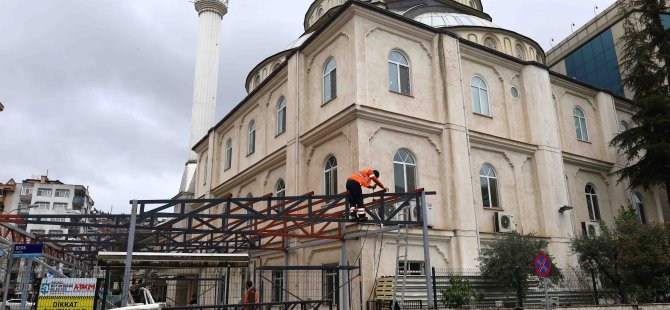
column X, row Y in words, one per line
column 596, row 63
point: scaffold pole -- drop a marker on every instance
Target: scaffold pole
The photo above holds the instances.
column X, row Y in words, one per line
column 129, row 254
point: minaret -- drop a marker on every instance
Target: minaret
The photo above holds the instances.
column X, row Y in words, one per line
column 210, row 13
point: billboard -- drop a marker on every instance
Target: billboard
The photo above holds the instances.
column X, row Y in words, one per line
column 66, row 294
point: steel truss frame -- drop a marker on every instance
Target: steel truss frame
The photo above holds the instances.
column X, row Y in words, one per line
column 224, row 224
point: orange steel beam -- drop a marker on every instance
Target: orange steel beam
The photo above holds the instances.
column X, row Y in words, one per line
column 284, row 232
column 305, row 230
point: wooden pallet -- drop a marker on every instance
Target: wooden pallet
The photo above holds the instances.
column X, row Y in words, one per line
column 384, row 289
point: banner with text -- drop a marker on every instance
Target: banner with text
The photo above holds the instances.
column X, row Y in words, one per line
column 66, row 294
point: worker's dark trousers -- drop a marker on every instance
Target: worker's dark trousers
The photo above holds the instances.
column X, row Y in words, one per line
column 356, row 198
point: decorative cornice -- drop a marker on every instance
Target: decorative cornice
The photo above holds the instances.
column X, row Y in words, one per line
column 341, row 34
column 488, row 142
column 591, row 164
column 406, row 37
column 217, row 6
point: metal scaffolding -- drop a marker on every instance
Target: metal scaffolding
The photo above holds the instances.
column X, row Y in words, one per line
column 225, row 225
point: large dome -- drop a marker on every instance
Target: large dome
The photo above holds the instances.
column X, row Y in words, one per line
column 443, row 19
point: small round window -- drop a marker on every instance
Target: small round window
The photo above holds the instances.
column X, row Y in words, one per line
column 515, row 92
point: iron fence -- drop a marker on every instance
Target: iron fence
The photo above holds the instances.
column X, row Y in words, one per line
column 575, row 288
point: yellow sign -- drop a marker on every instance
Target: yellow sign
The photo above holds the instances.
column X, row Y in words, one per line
column 65, row 303
column 67, row 294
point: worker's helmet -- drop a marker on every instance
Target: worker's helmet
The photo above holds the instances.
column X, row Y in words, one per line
column 376, row 173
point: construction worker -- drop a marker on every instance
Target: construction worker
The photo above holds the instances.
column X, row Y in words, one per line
column 354, row 184
column 251, row 296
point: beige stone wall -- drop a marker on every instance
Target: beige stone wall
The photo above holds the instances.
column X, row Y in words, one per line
column 505, row 42
column 530, row 141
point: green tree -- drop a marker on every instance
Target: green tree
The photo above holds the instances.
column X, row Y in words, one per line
column 459, row 292
column 631, row 258
column 509, row 261
column 646, row 67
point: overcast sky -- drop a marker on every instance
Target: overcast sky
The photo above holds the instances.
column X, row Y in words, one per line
column 99, row 92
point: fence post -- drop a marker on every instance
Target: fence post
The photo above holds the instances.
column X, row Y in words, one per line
column 595, row 286
column 129, row 254
column 8, row 276
column 434, row 288
column 105, row 288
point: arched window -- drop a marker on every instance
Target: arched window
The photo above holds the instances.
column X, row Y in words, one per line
column 480, row 96
column 491, row 43
column 623, row 126
column 275, row 66
column 330, row 80
column 404, row 171
column 251, row 138
column 330, row 176
column 280, row 191
column 281, row 116
column 592, row 202
column 229, row 154
column 520, row 52
column 257, row 81
column 489, row 184
column 399, row 73
column 639, row 207
column 319, row 12
column 580, row 124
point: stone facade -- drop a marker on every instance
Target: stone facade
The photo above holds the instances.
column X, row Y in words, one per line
column 527, row 137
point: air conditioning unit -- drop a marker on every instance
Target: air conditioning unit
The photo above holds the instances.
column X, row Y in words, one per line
column 591, row 230
column 416, row 214
column 504, row 222
column 409, row 213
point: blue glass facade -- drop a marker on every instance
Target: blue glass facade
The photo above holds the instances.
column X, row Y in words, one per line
column 595, row 63
column 665, row 19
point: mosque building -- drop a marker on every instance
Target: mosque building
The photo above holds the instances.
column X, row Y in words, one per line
column 434, row 95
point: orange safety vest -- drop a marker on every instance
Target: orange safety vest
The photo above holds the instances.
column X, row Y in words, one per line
column 364, row 177
column 250, row 297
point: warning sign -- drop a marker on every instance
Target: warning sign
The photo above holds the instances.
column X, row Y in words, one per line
column 66, row 294
column 65, row 303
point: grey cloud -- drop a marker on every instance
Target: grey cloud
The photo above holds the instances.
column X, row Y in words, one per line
column 99, row 92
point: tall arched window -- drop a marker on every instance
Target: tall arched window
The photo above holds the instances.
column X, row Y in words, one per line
column 257, row 81
column 489, row 184
column 330, row 176
column 480, row 96
column 592, row 202
column 251, row 138
column 281, row 115
column 330, row 80
column 580, row 124
column 404, row 171
column 520, row 52
column 229, row 154
column 639, row 207
column 490, row 43
column 623, row 126
column 280, row 191
column 399, row 73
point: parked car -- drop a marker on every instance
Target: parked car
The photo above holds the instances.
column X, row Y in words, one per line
column 15, row 304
